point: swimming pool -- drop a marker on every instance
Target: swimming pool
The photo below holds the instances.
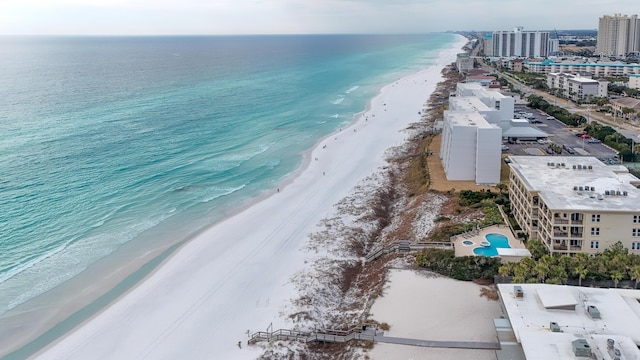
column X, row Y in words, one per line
column 496, row 241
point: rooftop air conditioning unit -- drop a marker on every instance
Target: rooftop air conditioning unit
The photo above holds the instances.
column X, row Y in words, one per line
column 580, row 188
column 579, row 167
column 593, row 189
column 618, row 193
column 625, row 193
column 563, row 165
column 581, row 348
column 593, row 312
column 606, row 192
column 517, row 289
column 590, row 167
column 575, row 188
column 610, row 344
column 551, row 164
column 574, row 167
column 554, row 327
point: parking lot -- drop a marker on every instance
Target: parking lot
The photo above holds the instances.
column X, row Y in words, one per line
column 560, row 135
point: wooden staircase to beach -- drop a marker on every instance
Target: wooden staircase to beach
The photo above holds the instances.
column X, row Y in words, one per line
column 406, row 246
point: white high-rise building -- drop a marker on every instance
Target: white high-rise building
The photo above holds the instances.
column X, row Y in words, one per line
column 520, row 43
column 618, row 35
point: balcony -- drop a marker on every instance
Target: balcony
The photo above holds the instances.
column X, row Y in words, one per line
column 575, row 247
column 560, row 235
column 577, row 222
column 560, row 247
column 560, row 221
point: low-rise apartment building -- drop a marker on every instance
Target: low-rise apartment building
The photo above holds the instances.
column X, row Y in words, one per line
column 597, row 69
column 634, row 81
column 575, row 204
column 464, row 62
column 577, row 87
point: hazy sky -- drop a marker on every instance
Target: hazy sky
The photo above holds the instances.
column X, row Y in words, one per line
column 299, row 16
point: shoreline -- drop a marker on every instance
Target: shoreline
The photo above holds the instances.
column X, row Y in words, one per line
column 288, row 185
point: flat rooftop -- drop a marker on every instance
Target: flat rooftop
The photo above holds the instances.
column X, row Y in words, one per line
column 467, row 118
column 558, row 181
column 468, row 103
column 541, row 304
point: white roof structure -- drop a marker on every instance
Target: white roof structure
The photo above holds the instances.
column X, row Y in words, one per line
column 542, row 304
column 513, row 252
column 550, row 345
column 520, row 128
column 566, row 182
column 467, row 103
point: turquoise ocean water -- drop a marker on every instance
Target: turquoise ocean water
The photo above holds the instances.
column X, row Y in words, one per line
column 104, row 140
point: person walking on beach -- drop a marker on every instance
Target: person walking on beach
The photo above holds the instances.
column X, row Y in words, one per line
column 239, row 344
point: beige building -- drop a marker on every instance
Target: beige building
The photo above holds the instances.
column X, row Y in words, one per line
column 626, row 107
column 634, row 81
column 618, row 35
column 576, row 87
column 575, row 204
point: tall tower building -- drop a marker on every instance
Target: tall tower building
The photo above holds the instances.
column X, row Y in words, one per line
column 520, row 43
column 618, row 35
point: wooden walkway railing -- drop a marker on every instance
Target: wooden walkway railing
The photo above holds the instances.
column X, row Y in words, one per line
column 369, row 333
column 366, row 332
column 407, row 246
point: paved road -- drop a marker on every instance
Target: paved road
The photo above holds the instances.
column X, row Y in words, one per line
column 626, row 129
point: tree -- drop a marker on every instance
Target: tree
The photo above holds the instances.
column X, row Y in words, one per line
column 634, row 271
column 537, row 248
column 581, row 272
column 616, row 276
column 541, row 270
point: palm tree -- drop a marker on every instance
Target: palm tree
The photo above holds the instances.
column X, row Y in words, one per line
column 581, row 272
column 634, row 271
column 541, row 270
column 616, row 276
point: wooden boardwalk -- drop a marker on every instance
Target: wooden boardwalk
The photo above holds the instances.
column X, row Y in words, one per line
column 407, row 246
column 369, row 333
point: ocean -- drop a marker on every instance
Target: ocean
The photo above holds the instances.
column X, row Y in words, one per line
column 111, row 140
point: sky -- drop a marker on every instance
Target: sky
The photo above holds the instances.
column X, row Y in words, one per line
column 182, row 17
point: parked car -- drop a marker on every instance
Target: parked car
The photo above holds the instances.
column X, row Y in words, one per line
column 570, row 150
column 535, row 121
column 505, row 147
column 594, row 141
column 550, row 118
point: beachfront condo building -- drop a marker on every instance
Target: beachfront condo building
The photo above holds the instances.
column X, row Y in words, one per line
column 473, row 128
column 519, row 43
column 464, row 62
column 470, row 147
column 575, row 204
column 577, row 87
column 618, row 35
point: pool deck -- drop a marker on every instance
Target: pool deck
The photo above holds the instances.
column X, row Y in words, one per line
column 478, row 235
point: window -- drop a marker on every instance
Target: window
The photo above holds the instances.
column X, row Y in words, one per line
column 595, row 244
column 635, row 232
column 595, row 218
column 635, row 245
column 596, row 231
column 636, row 219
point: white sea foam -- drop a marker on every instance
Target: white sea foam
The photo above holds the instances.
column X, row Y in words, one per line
column 338, row 100
column 353, row 88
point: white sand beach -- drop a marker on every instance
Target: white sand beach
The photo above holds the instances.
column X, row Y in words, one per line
column 235, row 276
column 420, row 305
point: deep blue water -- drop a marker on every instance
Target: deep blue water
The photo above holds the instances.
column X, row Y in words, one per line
column 104, row 140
